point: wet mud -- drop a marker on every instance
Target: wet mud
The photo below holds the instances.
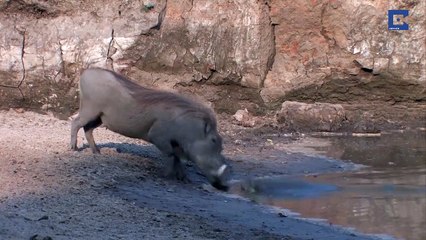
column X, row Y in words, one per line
column 385, row 195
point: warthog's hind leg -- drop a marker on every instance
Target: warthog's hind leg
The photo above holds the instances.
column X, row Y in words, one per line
column 88, row 130
column 88, row 120
column 75, row 127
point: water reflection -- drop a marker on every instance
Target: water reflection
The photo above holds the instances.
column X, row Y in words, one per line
column 407, row 149
column 389, row 197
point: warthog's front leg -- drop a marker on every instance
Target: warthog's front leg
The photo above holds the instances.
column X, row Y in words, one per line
column 160, row 137
column 174, row 169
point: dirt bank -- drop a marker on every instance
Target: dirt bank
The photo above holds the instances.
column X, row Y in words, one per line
column 47, row 190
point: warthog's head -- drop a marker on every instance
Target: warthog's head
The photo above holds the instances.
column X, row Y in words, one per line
column 206, row 153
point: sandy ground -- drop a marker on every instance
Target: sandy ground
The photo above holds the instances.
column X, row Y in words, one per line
column 50, row 192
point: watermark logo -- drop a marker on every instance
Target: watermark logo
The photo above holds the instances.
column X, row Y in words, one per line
column 396, row 20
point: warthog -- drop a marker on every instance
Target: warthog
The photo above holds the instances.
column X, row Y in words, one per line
column 179, row 127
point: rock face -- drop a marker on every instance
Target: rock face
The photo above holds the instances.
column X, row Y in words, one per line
column 211, row 41
column 345, row 46
column 53, row 40
column 301, row 50
column 46, row 44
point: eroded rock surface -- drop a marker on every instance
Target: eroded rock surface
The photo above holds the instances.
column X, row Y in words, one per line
column 322, row 42
column 328, row 51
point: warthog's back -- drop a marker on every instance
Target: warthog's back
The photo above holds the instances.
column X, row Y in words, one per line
column 130, row 109
column 102, row 87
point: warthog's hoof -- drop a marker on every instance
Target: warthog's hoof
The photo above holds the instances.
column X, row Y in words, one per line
column 96, row 151
column 177, row 174
column 220, row 186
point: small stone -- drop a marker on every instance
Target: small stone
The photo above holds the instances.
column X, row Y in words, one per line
column 19, row 110
column 45, row 107
column 244, row 118
column 240, row 114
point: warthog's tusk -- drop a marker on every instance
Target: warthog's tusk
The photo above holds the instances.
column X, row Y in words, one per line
column 221, row 170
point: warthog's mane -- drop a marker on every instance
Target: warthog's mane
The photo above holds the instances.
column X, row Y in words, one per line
column 148, row 97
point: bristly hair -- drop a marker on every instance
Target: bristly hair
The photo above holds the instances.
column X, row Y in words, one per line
column 146, row 96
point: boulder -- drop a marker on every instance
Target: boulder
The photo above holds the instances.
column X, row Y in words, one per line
column 315, row 117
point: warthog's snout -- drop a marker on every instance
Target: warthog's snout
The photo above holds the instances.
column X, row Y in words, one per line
column 219, row 178
column 206, row 153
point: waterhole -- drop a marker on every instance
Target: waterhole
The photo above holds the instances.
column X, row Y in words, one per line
column 386, row 197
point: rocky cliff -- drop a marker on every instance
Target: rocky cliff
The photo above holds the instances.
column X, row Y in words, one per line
column 258, row 51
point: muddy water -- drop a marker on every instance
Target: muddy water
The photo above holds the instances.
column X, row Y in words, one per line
column 386, row 197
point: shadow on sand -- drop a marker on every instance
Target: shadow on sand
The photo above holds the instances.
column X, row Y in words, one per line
column 145, row 151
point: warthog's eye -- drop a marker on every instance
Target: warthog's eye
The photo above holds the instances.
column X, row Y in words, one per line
column 214, row 140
